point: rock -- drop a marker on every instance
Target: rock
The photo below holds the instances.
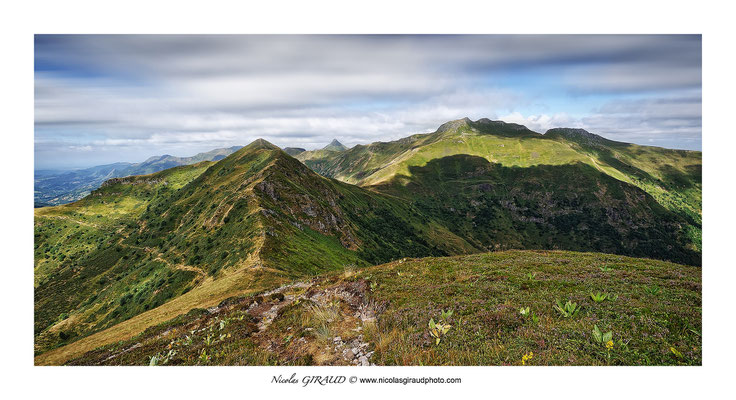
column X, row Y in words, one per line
column 363, row 361
column 350, row 353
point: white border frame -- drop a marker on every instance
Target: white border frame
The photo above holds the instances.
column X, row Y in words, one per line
column 22, row 20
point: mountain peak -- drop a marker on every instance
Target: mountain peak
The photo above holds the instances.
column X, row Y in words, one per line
column 454, row 125
column 335, row 145
column 261, row 144
column 483, row 125
column 576, row 135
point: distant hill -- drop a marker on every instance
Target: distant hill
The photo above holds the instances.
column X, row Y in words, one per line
column 61, row 187
column 292, row 151
column 328, row 152
column 335, row 146
column 570, row 206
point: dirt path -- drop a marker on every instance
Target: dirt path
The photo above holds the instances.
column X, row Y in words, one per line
column 76, row 221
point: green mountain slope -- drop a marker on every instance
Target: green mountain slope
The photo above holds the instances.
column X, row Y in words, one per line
column 672, row 177
column 328, row 152
column 260, row 199
column 86, row 277
column 335, row 145
column 572, row 207
column 380, row 315
column 258, row 211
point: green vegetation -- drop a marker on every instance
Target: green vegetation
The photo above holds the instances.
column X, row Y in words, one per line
column 568, row 309
column 86, row 277
column 479, row 295
column 671, row 177
column 601, row 338
column 599, row 297
column 139, row 250
column 440, row 328
column 167, row 233
column 575, row 207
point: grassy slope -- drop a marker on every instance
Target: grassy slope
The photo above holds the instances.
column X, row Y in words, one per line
column 508, row 144
column 572, row 207
column 84, row 275
column 257, row 210
column 672, row 177
column 262, row 200
column 318, row 224
column 208, row 294
column 657, row 309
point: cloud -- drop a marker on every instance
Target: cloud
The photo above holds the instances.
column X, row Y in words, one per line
column 541, row 123
column 671, row 121
column 137, row 95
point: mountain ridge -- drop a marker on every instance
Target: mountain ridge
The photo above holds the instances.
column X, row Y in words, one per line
column 673, row 177
column 64, row 187
column 141, row 248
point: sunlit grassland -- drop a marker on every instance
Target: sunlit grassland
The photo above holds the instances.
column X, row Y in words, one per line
column 486, row 292
column 521, row 152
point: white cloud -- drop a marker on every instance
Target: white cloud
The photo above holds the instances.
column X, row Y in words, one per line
column 129, row 97
column 541, row 123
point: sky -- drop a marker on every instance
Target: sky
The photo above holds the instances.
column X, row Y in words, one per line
column 101, row 99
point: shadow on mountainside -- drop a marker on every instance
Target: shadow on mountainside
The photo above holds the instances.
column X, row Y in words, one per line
column 571, row 207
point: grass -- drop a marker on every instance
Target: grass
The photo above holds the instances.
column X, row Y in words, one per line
column 573, row 207
column 489, row 330
column 484, row 292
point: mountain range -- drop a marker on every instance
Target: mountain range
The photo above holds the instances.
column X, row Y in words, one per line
column 61, row 187
column 140, row 250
